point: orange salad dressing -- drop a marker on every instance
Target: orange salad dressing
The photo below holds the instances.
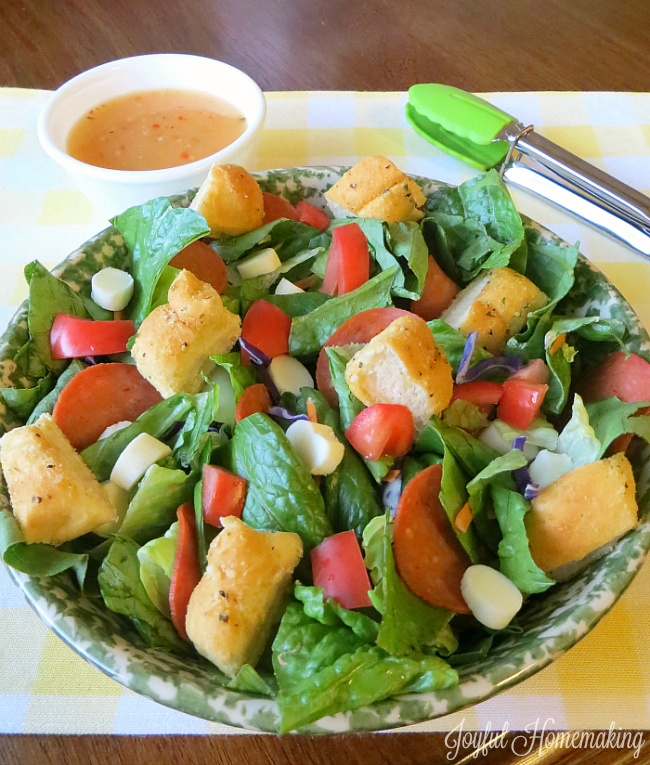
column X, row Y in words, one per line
column 151, row 130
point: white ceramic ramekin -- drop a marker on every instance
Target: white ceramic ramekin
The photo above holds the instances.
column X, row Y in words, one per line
column 112, row 191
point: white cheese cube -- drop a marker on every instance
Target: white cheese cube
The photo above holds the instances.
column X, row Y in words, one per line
column 285, row 287
column 114, row 428
column 263, row 262
column 290, row 375
column 112, row 289
column 491, row 596
column 136, row 459
column 316, row 446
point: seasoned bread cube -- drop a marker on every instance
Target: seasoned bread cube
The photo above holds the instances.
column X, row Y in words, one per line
column 376, row 188
column 174, row 343
column 403, row 365
column 230, row 200
column 496, row 305
column 581, row 511
column 54, row 495
column 241, row 594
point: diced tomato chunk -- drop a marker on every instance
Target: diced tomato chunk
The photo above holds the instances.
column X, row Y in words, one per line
column 382, row 430
column 627, row 378
column 204, row 263
column 277, row 207
column 72, row 337
column 520, row 403
column 186, row 573
column 535, row 372
column 348, row 262
column 438, row 293
column 266, row 327
column 479, row 392
column 360, row 328
column 312, row 216
column 338, row 567
column 428, row 556
column 223, row 494
column 256, row 398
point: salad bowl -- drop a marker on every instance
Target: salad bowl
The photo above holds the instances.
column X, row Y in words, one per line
column 550, row 623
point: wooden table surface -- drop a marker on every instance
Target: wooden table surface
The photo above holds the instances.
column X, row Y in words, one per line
column 329, row 45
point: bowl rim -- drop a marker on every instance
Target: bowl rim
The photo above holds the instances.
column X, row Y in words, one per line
column 162, row 175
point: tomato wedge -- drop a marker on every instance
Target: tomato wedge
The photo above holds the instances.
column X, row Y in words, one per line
column 266, row 327
column 348, row 262
column 223, row 494
column 277, row 207
column 72, row 337
column 338, row 567
column 186, row 573
column 360, row 328
column 626, row 378
column 100, row 396
column 428, row 556
column 382, row 430
column 204, row 263
column 478, row 392
column 312, row 216
column 255, row 398
column 535, row 372
column 438, row 293
column 520, row 403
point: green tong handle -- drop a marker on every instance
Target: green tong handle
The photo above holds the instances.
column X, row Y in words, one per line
column 459, row 123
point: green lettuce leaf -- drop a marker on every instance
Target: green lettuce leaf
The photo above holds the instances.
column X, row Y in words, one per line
column 287, row 237
column 248, row 680
column 156, row 560
column 154, row 232
column 49, row 296
column 281, row 494
column 408, row 623
column 452, row 343
column 124, row 593
column 37, row 559
column 153, row 507
column 465, row 415
column 46, row 404
column 612, row 418
column 24, row 400
column 161, row 290
column 578, row 439
column 298, row 304
column 309, row 333
column 408, row 246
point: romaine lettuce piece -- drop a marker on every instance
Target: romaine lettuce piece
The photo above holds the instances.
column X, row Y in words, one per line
column 156, row 560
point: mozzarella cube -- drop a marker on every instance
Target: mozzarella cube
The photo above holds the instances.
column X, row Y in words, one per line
column 114, row 428
column 143, row 452
column 316, row 446
column 289, row 375
column 491, row 596
column 263, row 262
column 112, row 289
column 285, row 287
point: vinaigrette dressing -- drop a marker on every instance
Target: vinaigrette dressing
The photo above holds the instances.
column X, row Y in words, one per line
column 154, row 129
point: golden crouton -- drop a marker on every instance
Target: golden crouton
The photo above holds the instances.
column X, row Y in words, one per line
column 230, row 200
column 376, row 188
column 403, row 365
column 54, row 495
column 241, row 594
column 582, row 511
column 496, row 305
column 174, row 343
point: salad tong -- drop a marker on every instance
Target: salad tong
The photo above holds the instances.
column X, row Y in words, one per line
column 485, row 137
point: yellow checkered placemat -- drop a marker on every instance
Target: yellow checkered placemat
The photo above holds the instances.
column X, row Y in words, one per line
column 605, row 680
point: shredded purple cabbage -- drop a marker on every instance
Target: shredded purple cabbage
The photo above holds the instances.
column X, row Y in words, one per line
column 531, row 491
column 90, row 360
column 391, row 494
column 280, row 411
column 466, row 359
column 518, row 443
column 259, row 358
column 522, row 476
column 503, row 364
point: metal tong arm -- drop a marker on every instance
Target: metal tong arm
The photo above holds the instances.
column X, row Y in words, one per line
column 619, row 197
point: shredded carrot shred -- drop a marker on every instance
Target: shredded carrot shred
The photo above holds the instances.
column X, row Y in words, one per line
column 557, row 343
column 464, row 518
column 311, row 411
column 392, row 475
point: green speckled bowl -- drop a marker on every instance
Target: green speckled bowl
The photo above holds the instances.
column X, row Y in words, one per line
column 551, row 623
